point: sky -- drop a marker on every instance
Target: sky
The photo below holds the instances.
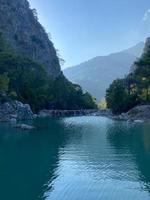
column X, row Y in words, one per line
column 83, row 29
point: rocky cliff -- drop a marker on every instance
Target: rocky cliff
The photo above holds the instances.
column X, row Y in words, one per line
column 146, row 52
column 20, row 26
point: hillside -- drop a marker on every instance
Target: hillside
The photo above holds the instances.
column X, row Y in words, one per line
column 19, row 24
column 96, row 74
column 126, row 93
column 29, row 67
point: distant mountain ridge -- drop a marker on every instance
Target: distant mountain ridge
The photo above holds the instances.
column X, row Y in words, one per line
column 96, row 74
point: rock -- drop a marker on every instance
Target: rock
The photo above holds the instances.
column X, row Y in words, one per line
column 145, row 53
column 130, row 120
column 13, row 116
column 35, row 116
column 25, row 127
column 43, row 114
column 24, row 111
column 146, row 48
column 13, row 120
column 137, row 114
column 15, row 110
column 138, row 121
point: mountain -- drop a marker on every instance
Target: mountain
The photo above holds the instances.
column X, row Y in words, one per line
column 19, row 24
column 96, row 74
column 132, row 92
column 29, row 66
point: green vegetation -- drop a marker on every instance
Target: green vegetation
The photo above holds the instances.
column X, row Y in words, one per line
column 37, row 41
column 4, row 82
column 25, row 80
column 124, row 94
column 119, row 98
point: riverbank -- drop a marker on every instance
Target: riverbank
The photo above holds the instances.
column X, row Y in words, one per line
column 139, row 113
column 15, row 111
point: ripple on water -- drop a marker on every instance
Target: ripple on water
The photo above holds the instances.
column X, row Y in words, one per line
column 76, row 158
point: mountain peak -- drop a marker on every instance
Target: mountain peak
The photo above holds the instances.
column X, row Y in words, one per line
column 96, row 74
column 135, row 50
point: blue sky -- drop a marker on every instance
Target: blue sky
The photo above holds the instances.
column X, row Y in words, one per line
column 82, row 29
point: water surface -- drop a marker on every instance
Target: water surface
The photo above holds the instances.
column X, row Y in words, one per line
column 76, row 158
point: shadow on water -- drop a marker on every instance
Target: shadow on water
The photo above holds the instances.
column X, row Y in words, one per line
column 134, row 139
column 29, row 160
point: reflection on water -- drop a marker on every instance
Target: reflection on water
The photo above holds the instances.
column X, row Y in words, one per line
column 136, row 140
column 29, row 160
column 88, row 158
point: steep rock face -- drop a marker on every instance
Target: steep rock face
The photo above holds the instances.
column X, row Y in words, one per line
column 147, row 48
column 146, row 52
column 15, row 110
column 21, row 28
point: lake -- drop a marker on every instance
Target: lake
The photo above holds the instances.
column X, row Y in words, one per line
column 75, row 158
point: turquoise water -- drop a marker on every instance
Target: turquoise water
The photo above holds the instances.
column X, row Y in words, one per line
column 76, row 158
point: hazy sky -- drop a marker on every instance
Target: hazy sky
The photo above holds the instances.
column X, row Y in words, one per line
column 82, row 29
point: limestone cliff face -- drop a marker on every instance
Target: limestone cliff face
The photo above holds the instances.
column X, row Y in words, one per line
column 146, row 51
column 19, row 24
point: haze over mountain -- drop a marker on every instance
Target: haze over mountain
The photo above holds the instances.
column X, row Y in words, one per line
column 95, row 75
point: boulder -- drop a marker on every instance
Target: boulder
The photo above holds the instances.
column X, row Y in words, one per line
column 137, row 114
column 15, row 110
column 13, row 120
column 24, row 127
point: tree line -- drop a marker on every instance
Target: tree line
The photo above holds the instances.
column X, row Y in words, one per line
column 134, row 89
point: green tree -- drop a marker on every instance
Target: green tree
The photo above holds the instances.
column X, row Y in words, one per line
column 27, row 81
column 118, row 97
column 4, row 82
column 4, row 47
column 142, row 76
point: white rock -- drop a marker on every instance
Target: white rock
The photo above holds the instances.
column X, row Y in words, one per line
column 24, row 127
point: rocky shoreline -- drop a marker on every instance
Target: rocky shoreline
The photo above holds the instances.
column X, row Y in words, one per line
column 137, row 114
column 15, row 111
